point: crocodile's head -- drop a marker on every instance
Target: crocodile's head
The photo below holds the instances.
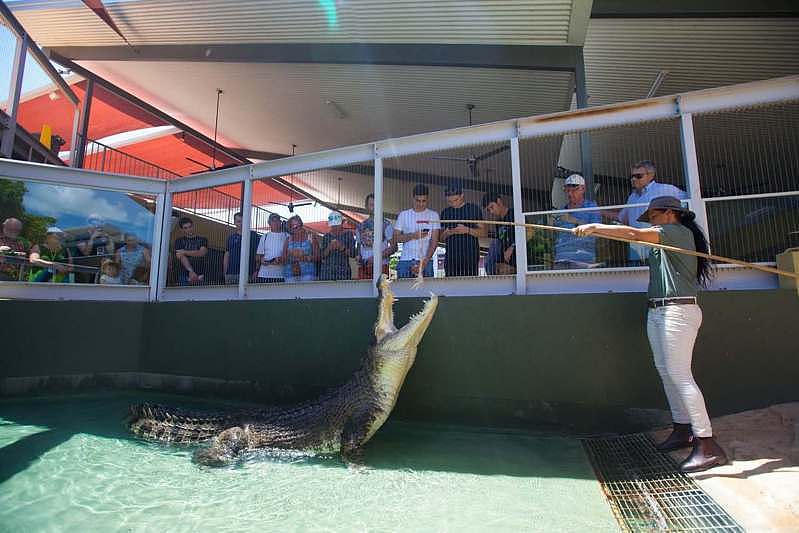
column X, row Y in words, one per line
column 394, row 353
column 395, row 349
column 388, row 337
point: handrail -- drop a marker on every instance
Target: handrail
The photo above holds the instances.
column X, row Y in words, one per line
column 105, row 147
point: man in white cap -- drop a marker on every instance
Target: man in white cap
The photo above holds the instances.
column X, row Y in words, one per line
column 50, row 260
column 572, row 251
column 337, row 247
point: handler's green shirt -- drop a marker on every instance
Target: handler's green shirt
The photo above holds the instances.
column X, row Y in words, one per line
column 672, row 274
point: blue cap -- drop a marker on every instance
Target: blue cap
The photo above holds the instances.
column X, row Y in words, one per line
column 334, row 219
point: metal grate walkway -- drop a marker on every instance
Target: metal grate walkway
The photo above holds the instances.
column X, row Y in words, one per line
column 646, row 490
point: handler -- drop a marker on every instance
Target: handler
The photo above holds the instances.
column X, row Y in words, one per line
column 673, row 321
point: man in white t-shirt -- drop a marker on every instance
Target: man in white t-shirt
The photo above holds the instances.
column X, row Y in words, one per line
column 270, row 252
column 417, row 252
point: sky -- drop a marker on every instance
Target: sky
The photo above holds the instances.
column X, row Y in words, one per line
column 72, row 206
column 34, row 76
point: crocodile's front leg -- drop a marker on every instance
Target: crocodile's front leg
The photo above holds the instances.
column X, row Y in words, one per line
column 354, row 436
column 225, row 447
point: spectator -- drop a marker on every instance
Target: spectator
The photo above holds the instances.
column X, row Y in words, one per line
column 645, row 188
column 498, row 210
column 300, row 253
column 51, row 261
column 110, row 273
column 269, row 254
column 95, row 247
column 572, row 251
column 12, row 244
column 190, row 251
column 416, row 251
column 493, row 254
column 131, row 256
column 461, row 240
column 337, row 247
column 365, row 235
column 140, row 276
column 231, row 259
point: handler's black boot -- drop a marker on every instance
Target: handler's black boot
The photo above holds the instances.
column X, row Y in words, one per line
column 681, row 437
column 706, row 454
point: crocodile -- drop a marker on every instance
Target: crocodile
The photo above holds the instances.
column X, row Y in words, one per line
column 341, row 420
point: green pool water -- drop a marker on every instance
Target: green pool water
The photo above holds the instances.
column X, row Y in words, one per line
column 68, row 464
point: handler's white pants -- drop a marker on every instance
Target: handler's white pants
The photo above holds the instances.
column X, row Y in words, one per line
column 672, row 331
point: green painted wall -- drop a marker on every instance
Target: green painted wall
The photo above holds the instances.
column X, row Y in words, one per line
column 49, row 338
column 510, row 360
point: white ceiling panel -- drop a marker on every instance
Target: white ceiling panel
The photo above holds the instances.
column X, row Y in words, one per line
column 146, row 22
column 624, row 56
column 271, row 106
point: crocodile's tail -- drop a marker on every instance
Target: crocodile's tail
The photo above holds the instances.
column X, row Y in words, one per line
column 168, row 424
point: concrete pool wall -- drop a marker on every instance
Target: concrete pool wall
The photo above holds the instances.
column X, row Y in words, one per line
column 578, row 360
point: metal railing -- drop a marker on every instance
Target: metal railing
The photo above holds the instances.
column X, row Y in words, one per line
column 103, row 158
column 529, row 156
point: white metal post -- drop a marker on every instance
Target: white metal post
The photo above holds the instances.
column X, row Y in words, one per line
column 79, row 139
column 581, row 93
column 158, row 241
column 518, row 218
column 377, row 239
column 246, row 225
column 73, row 150
column 691, row 166
column 163, row 251
column 7, row 143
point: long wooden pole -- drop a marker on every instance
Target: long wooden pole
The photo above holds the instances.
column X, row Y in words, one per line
column 666, row 247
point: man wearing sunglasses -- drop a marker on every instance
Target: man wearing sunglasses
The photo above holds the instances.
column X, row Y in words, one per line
column 645, row 189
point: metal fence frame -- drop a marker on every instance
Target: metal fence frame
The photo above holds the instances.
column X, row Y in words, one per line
column 682, row 106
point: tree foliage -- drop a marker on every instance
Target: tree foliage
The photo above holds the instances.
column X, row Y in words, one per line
column 12, row 194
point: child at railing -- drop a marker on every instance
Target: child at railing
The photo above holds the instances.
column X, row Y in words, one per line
column 110, row 270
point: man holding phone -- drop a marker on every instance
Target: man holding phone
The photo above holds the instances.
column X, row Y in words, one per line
column 269, row 254
column 417, row 252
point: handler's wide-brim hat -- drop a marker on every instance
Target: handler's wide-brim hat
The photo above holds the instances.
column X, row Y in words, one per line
column 667, row 202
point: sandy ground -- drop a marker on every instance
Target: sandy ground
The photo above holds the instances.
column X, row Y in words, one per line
column 760, row 486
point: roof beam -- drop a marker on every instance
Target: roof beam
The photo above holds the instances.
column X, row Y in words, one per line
column 536, row 57
column 578, row 21
column 694, row 8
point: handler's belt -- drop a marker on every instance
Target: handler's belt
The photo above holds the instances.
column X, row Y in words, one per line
column 660, row 302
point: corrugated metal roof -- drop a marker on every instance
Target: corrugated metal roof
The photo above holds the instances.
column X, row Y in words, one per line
column 270, row 106
column 623, row 56
column 147, row 22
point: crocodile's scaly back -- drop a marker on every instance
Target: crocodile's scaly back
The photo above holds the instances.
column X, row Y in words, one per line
column 341, row 420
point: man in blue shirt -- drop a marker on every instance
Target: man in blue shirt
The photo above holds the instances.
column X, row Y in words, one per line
column 230, row 261
column 645, row 189
column 572, row 251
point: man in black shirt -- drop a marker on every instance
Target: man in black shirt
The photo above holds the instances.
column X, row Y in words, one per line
column 190, row 252
column 461, row 239
column 496, row 207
